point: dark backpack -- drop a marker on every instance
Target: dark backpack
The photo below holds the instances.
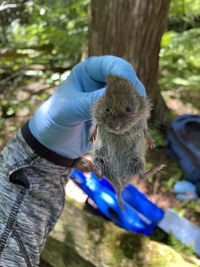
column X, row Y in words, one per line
column 184, row 144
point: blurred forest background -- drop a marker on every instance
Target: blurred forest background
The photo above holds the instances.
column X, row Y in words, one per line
column 41, row 40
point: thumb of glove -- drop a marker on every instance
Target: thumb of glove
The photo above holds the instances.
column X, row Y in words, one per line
column 83, row 104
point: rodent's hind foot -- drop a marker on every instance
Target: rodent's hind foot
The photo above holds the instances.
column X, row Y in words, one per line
column 153, row 171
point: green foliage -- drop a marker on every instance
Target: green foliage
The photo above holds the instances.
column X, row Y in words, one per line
column 180, row 63
column 169, row 239
column 184, row 15
column 167, row 186
column 179, row 58
column 159, row 138
column 184, row 8
column 11, row 10
column 54, row 34
column 63, row 24
column 180, row 247
column 179, row 54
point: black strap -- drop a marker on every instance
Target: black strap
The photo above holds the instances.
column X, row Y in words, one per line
column 43, row 151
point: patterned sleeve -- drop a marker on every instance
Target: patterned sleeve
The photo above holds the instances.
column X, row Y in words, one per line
column 31, row 201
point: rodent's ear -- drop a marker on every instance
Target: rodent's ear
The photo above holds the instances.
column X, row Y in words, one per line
column 110, row 80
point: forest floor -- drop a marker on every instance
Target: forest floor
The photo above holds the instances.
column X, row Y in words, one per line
column 20, row 101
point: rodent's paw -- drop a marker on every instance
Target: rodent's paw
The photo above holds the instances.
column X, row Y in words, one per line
column 150, row 141
column 84, row 165
column 152, row 144
column 92, row 136
column 153, row 171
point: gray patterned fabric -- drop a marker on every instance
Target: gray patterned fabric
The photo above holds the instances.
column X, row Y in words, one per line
column 31, row 201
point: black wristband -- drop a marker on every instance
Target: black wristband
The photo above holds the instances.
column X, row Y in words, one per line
column 43, row 151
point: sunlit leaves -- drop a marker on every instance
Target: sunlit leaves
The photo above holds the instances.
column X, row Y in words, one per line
column 61, row 24
column 180, row 59
column 184, row 7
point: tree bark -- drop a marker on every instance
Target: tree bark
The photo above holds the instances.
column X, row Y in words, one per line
column 131, row 29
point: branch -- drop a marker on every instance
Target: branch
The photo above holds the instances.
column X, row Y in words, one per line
column 5, row 6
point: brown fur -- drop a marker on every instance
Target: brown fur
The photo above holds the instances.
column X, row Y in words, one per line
column 120, row 119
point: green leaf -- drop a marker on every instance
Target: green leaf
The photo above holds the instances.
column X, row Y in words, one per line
column 167, row 39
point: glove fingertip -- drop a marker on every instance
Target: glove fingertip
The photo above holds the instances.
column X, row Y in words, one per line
column 140, row 87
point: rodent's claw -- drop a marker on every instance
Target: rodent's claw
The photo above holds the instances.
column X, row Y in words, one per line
column 150, row 141
column 152, row 145
column 92, row 135
column 86, row 165
column 92, row 138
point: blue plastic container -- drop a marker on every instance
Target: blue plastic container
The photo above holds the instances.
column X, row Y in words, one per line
column 140, row 214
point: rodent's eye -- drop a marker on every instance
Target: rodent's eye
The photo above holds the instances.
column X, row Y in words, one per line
column 107, row 109
column 128, row 109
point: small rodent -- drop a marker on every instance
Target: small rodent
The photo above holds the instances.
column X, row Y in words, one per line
column 120, row 133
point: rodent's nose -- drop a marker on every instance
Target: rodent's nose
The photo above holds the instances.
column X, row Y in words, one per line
column 117, row 125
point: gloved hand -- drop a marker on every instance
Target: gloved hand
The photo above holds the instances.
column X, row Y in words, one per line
column 185, row 190
column 62, row 122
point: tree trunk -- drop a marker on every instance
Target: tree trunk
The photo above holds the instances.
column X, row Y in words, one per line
column 131, row 29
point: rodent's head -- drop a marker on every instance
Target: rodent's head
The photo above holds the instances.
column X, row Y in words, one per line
column 121, row 107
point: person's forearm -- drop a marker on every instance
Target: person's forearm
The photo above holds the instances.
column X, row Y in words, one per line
column 31, row 201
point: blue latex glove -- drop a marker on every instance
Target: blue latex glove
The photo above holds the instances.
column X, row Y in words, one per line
column 62, row 122
column 185, row 190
